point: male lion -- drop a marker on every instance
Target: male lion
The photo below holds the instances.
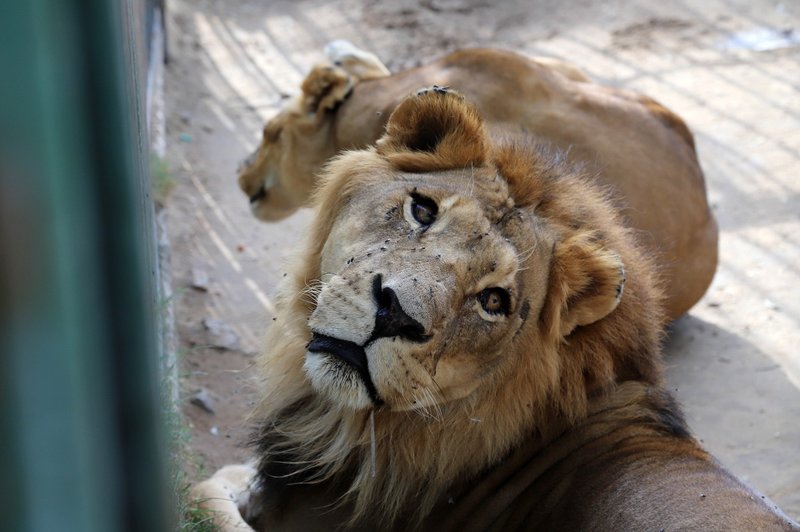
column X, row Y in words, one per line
column 627, row 140
column 471, row 342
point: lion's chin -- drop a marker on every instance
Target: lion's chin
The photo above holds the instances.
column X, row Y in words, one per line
column 337, row 381
column 269, row 213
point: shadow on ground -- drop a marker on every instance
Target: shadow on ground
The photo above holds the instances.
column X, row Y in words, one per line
column 739, row 403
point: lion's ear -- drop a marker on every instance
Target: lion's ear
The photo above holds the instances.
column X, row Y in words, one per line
column 434, row 129
column 587, row 283
column 325, row 88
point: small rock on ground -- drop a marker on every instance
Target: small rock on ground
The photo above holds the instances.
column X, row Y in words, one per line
column 220, row 334
column 202, row 398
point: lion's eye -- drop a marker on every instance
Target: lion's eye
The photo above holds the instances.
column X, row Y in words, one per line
column 423, row 209
column 495, row 300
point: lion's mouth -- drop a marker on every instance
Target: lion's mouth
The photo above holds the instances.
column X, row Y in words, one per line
column 350, row 353
column 259, row 195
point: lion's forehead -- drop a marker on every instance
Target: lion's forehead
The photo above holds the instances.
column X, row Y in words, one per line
column 476, row 216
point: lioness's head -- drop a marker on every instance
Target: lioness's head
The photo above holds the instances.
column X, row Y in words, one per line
column 279, row 175
column 467, row 291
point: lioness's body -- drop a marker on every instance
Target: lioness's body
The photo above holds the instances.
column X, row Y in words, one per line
column 471, row 342
column 630, row 142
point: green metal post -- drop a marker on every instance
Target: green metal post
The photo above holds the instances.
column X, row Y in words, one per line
column 80, row 446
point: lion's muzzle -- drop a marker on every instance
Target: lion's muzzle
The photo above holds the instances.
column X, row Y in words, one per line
column 260, row 194
column 350, row 353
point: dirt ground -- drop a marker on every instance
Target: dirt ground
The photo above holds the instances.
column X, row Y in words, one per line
column 729, row 67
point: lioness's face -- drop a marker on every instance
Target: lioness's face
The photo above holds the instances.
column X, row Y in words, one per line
column 424, row 285
column 279, row 175
column 261, row 175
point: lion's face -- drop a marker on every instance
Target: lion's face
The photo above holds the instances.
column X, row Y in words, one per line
column 426, row 279
column 432, row 277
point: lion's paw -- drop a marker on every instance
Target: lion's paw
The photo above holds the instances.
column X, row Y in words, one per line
column 226, row 497
column 339, row 49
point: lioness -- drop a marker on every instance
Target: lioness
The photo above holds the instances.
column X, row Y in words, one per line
column 471, row 342
column 627, row 140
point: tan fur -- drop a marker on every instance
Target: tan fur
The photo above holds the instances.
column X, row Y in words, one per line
column 625, row 140
column 549, row 417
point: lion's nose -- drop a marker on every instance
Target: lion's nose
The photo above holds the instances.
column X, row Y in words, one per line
column 390, row 319
column 247, row 162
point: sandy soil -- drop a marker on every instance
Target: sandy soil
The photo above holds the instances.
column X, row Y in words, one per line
column 733, row 360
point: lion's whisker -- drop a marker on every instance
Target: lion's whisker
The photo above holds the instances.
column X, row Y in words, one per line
column 373, row 448
column 525, row 255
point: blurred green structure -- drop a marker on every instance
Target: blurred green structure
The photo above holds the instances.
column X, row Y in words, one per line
column 80, row 438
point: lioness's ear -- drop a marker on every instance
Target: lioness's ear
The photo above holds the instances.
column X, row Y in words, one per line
column 325, row 88
column 586, row 285
column 434, row 129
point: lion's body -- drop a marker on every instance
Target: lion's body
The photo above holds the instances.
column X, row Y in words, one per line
column 628, row 141
column 629, row 466
column 470, row 340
